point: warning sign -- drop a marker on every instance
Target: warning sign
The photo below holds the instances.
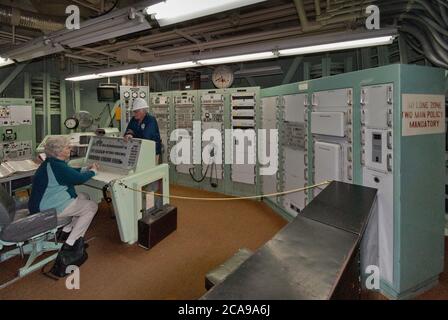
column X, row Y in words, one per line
column 423, row 114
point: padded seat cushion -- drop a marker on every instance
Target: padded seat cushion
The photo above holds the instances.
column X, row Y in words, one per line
column 219, row 274
column 30, row 226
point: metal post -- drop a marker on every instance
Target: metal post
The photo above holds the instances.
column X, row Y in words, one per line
column 63, row 104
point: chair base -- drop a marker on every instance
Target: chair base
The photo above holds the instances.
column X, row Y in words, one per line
column 36, row 247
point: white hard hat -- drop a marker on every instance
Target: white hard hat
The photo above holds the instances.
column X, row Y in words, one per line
column 138, row 104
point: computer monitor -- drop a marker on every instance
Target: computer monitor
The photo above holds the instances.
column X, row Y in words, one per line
column 107, row 94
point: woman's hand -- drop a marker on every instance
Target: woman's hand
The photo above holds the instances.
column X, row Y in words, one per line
column 93, row 167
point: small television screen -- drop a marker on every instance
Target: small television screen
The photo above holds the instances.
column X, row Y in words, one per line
column 107, row 94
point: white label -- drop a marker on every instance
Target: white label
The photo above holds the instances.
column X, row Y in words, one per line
column 423, row 114
column 303, row 86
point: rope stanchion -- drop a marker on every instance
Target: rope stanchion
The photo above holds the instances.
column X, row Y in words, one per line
column 229, row 198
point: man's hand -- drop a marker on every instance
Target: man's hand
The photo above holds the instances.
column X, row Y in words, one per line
column 127, row 137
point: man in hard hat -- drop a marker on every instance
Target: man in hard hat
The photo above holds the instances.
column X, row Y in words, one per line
column 143, row 125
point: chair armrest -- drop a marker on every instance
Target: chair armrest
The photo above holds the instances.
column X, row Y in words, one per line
column 30, row 226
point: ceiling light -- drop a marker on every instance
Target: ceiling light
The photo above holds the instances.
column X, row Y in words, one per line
column 114, row 24
column 170, row 66
column 342, row 45
column 5, row 62
column 174, row 11
column 119, row 73
column 239, row 58
column 82, row 78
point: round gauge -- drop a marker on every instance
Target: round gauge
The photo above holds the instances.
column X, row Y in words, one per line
column 127, row 95
column 71, row 123
column 134, row 94
column 222, row 77
column 142, row 95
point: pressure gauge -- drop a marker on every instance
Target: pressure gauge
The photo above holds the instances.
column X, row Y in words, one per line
column 222, row 77
column 71, row 123
column 142, row 95
column 134, row 94
column 127, row 95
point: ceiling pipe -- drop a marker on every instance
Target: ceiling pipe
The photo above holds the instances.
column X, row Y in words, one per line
column 26, row 19
column 317, row 5
column 302, row 14
column 428, row 50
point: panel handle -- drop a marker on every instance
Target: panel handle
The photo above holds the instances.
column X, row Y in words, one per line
column 349, row 97
column 314, row 100
column 389, row 118
column 363, row 97
column 349, row 172
column 389, row 140
column 389, row 95
column 389, row 162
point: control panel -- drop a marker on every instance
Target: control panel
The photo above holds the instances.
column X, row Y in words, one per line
column 377, row 107
column 16, row 115
column 113, row 152
column 243, row 116
column 184, row 115
column 331, row 122
column 160, row 109
column 184, row 106
column 243, row 110
column 294, row 135
column 292, row 150
column 127, row 96
column 212, row 117
column 16, row 150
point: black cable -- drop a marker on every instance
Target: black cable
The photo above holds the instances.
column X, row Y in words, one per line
column 191, row 170
column 108, row 11
column 214, row 184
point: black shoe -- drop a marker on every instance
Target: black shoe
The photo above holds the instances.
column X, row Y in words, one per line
column 80, row 243
column 69, row 255
column 59, row 268
column 62, row 236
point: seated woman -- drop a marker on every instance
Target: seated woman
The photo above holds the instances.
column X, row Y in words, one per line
column 53, row 187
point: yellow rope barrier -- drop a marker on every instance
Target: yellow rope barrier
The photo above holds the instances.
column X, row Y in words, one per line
column 230, row 198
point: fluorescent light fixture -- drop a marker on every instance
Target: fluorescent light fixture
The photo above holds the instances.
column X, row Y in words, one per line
column 5, row 62
column 114, row 24
column 239, row 58
column 174, row 11
column 343, row 45
column 283, row 48
column 171, row 66
column 119, row 73
column 82, row 78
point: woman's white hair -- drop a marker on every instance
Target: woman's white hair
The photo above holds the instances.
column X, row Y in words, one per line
column 55, row 145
